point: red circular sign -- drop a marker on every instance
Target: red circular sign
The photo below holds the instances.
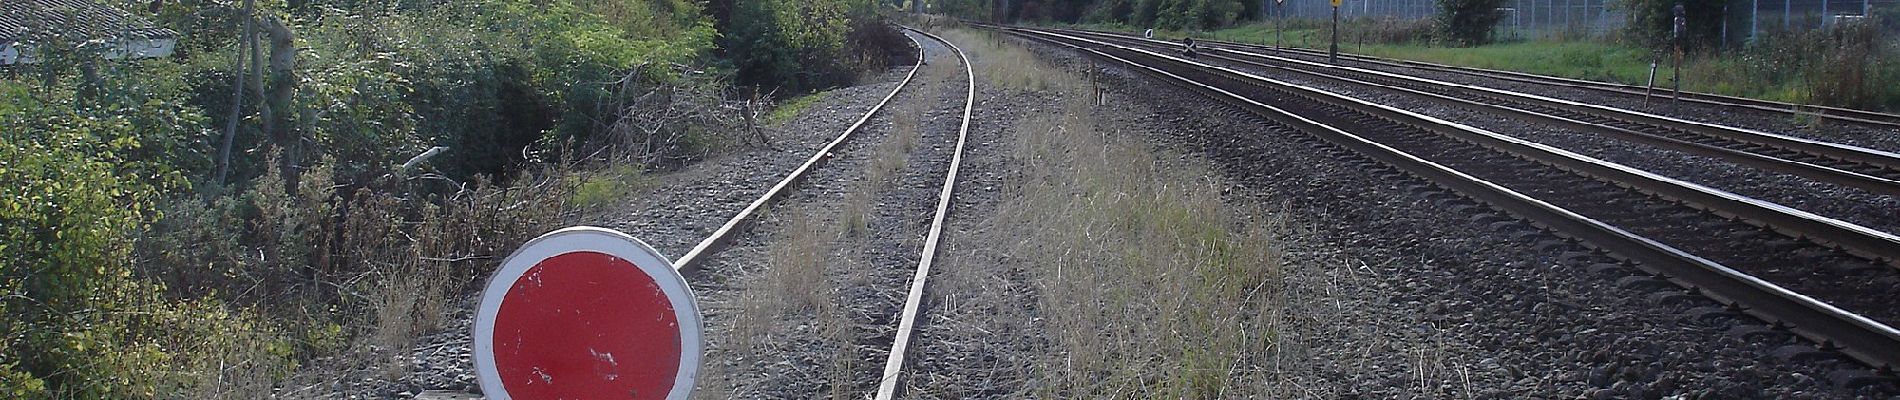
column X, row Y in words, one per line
column 587, row 313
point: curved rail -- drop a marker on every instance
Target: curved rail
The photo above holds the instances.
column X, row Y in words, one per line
column 688, row 264
column 907, row 322
column 1854, row 335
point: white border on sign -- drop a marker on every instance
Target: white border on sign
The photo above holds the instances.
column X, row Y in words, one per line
column 603, row 240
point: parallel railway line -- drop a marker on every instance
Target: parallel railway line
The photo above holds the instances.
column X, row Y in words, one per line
column 1872, row 118
column 1710, row 241
column 1876, row 171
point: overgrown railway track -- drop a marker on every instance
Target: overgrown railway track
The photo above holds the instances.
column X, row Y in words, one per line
column 913, row 301
column 1718, row 244
column 691, row 263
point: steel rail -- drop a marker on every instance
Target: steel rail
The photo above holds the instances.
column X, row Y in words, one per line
column 1876, row 184
column 1831, row 327
column 1820, row 111
column 1843, row 152
column 913, row 301
column 689, row 264
column 1854, row 238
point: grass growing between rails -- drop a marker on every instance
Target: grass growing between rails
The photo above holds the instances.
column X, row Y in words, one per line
column 1118, row 270
column 1003, row 65
column 1150, row 287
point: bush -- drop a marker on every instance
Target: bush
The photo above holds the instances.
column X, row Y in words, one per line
column 1389, row 30
column 1651, row 22
column 79, row 320
column 1468, row 22
column 123, row 279
column 795, row 47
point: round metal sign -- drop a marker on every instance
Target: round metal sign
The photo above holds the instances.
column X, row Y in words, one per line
column 587, row 313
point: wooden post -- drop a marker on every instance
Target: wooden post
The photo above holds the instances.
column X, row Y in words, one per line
column 1332, row 55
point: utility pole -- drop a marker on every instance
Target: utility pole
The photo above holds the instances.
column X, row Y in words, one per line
column 1332, row 56
column 1681, row 30
column 1279, row 31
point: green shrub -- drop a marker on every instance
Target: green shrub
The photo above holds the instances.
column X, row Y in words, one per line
column 801, row 46
column 78, row 320
column 1468, row 22
column 791, row 108
column 607, row 186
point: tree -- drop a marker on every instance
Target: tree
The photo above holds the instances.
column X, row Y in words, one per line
column 1468, row 22
column 1651, row 20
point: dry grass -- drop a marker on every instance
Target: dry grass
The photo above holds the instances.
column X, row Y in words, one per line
column 794, row 282
column 1003, row 64
column 798, row 304
column 1145, row 283
column 794, row 306
column 1153, row 289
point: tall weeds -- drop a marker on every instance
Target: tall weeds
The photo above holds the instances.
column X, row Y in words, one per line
column 1148, row 286
column 358, row 272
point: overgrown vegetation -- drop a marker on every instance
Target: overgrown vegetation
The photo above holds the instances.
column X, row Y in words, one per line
column 799, row 46
column 384, row 155
column 1148, row 288
column 1847, row 65
column 1127, row 276
column 1468, row 22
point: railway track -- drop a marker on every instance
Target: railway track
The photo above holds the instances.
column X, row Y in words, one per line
column 1875, row 171
column 894, row 365
column 1871, row 118
column 692, row 262
column 1709, row 241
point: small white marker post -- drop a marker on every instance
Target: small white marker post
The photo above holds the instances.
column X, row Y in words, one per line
column 587, row 313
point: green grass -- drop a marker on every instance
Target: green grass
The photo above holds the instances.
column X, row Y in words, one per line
column 1777, row 73
column 1264, row 33
column 1585, row 60
column 608, row 186
column 790, row 108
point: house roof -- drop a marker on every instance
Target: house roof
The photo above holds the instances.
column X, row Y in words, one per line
column 18, row 18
